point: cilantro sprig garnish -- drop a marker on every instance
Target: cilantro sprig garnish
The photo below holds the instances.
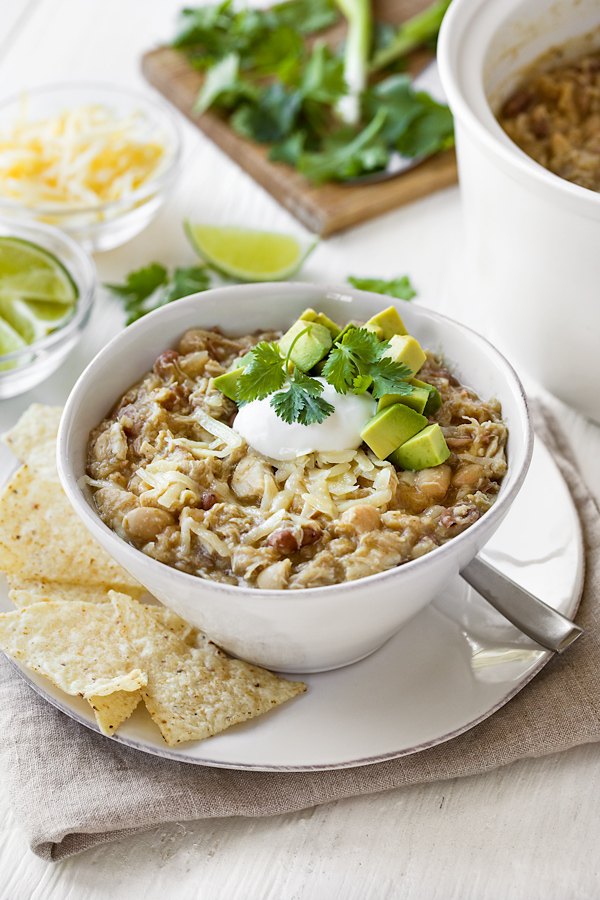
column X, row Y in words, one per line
column 357, row 362
column 268, row 371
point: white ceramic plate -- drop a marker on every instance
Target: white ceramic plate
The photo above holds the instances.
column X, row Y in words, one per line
column 452, row 666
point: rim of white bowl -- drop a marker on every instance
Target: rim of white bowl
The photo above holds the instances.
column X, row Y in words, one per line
column 146, row 190
column 454, row 39
column 451, row 547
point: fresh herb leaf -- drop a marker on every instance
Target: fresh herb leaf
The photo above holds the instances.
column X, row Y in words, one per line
column 301, row 402
column 346, row 159
column 141, row 283
column 223, row 86
column 271, row 118
column 430, row 132
column 187, row 281
column 397, row 287
column 389, row 377
column 358, row 362
column 150, row 287
column 263, row 375
column 306, row 16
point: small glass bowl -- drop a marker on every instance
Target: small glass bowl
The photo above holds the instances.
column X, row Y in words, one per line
column 102, row 226
column 37, row 361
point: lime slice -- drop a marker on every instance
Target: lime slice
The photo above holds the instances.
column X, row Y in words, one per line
column 31, row 273
column 9, row 340
column 246, row 254
column 33, row 319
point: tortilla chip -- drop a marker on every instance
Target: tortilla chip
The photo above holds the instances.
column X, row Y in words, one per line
column 33, row 438
column 195, row 692
column 112, row 710
column 170, row 621
column 78, row 646
column 43, row 540
column 24, row 593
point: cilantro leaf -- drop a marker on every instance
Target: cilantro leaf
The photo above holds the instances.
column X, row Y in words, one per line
column 397, row 287
column 342, row 159
column 430, row 132
column 357, row 362
column 141, row 283
column 187, row 281
column 263, row 375
column 271, row 118
column 306, row 16
column 301, row 402
column 148, row 288
column 389, row 377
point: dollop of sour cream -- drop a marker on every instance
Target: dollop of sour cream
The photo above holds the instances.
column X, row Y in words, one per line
column 261, row 427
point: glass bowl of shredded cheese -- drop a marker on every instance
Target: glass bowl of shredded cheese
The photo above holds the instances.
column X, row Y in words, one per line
column 95, row 161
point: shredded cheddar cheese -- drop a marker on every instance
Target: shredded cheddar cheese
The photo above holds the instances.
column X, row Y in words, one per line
column 80, row 158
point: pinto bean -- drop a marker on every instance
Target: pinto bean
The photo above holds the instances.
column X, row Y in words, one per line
column 145, row 523
column 362, row 517
column 310, row 534
column 434, row 482
column 208, row 500
column 283, row 540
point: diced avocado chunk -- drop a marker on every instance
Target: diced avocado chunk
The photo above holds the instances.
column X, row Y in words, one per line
column 389, row 321
column 377, row 331
column 406, row 350
column 427, row 448
column 434, row 401
column 390, row 428
column 308, row 349
column 228, row 382
column 309, row 315
column 243, row 361
column 417, row 399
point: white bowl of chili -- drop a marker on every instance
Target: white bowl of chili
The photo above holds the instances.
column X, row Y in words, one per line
column 314, row 628
column 532, row 236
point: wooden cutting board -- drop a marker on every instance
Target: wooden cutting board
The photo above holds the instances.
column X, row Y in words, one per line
column 328, row 208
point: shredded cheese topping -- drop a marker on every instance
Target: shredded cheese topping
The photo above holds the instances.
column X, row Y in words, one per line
column 77, row 159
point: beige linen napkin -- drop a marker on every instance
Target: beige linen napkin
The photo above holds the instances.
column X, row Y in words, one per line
column 73, row 789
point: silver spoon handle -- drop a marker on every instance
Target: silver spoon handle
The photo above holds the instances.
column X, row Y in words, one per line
column 532, row 616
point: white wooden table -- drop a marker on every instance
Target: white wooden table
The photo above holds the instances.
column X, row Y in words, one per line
column 528, row 831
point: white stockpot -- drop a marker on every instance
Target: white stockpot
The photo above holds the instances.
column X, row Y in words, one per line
column 533, row 239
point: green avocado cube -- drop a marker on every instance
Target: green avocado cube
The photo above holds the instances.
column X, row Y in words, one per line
column 426, row 449
column 434, row 401
column 389, row 321
column 309, row 348
column 228, row 382
column 406, row 350
column 417, row 399
column 390, row 428
column 309, row 315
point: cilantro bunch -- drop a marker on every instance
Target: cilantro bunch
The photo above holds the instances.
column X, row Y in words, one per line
column 357, row 363
column 275, row 88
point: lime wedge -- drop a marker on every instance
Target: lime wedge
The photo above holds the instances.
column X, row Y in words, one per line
column 9, row 340
column 33, row 319
column 31, row 273
column 246, row 254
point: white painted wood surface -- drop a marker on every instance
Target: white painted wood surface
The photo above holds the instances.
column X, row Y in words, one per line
column 528, row 831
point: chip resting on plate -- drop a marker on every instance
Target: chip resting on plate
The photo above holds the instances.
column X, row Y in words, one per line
column 78, row 646
column 33, row 438
column 43, row 540
column 195, row 692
